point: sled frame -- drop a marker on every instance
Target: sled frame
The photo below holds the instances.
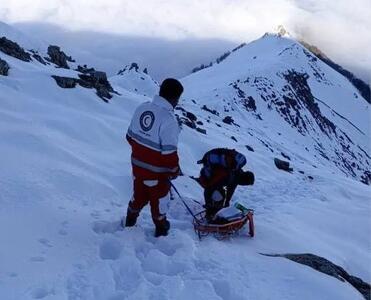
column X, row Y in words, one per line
column 222, row 231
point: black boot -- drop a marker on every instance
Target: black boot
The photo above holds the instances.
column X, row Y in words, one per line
column 162, row 229
column 130, row 221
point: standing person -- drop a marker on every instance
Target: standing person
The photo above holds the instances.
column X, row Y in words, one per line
column 153, row 136
column 221, row 174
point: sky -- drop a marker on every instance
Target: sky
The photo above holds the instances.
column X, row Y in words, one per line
column 338, row 27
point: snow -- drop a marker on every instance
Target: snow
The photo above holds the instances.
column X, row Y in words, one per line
column 21, row 38
column 65, row 182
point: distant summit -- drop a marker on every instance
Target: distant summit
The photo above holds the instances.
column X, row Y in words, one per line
column 134, row 79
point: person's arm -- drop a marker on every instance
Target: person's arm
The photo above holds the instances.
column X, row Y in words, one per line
column 169, row 133
column 229, row 194
column 240, row 161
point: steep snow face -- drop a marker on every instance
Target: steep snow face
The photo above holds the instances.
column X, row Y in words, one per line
column 276, row 90
column 65, row 182
column 132, row 79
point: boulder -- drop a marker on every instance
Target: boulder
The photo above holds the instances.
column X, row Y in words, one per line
column 228, row 120
column 282, row 165
column 4, row 67
column 13, row 49
column 65, row 82
column 58, row 57
column 89, row 79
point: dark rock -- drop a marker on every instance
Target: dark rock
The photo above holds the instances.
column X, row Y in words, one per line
column 134, row 66
column 201, row 67
column 249, row 104
column 201, row 130
column 4, row 67
column 199, row 123
column 99, row 81
column 249, row 148
column 191, row 116
column 327, row 267
column 366, row 177
column 145, row 71
column 38, row 57
column 95, row 79
column 282, row 165
column 65, row 82
column 212, row 111
column 233, row 138
column 291, row 108
column 189, row 123
column 13, row 49
column 301, row 172
column 228, row 120
column 58, row 57
column 310, row 177
column 285, row 156
column 84, row 69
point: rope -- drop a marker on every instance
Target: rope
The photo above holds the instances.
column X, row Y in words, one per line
column 181, row 198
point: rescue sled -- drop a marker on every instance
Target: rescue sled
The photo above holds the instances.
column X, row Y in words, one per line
column 222, row 231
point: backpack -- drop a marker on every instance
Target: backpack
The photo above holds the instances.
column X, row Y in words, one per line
column 225, row 158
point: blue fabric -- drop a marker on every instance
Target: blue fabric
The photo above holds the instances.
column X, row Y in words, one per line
column 240, row 160
column 216, row 159
column 206, row 171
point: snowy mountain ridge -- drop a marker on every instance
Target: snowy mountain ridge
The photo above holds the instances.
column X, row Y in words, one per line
column 66, row 180
column 283, row 81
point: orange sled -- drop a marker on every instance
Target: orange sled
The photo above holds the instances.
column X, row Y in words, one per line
column 222, row 231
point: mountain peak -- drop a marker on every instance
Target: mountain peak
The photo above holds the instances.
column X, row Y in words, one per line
column 281, row 31
column 134, row 67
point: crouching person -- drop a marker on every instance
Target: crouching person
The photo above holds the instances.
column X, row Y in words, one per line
column 220, row 175
column 153, row 136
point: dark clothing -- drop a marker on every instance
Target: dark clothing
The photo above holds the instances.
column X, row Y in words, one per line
column 221, row 174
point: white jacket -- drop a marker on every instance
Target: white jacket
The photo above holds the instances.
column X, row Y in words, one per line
column 153, row 134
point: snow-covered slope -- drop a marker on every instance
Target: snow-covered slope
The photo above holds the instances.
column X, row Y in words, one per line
column 281, row 94
column 132, row 79
column 65, row 182
column 19, row 37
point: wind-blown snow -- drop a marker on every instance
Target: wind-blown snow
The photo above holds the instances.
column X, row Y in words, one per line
column 65, row 182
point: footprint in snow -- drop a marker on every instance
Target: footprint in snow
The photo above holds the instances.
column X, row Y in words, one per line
column 41, row 292
column 110, row 249
column 37, row 259
column 106, row 227
column 45, row 242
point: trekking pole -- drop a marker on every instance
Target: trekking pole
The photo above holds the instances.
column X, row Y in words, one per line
column 181, row 198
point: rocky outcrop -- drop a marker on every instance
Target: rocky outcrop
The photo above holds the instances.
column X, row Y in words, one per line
column 84, row 69
column 97, row 80
column 93, row 79
column 38, row 57
column 65, row 82
column 58, row 57
column 189, row 119
column 4, row 67
column 13, row 49
column 327, row 267
column 134, row 66
column 282, row 165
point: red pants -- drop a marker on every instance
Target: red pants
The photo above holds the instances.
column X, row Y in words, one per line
column 152, row 194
